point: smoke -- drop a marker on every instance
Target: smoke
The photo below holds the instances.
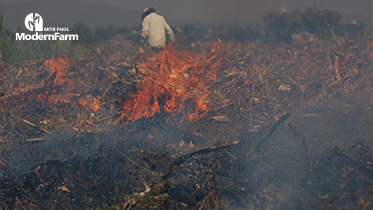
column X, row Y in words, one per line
column 126, row 13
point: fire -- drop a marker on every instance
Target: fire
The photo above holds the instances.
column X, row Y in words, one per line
column 55, row 90
column 56, row 96
column 51, row 92
column 90, row 102
column 175, row 82
column 58, row 65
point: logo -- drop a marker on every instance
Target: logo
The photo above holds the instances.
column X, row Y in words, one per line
column 34, row 22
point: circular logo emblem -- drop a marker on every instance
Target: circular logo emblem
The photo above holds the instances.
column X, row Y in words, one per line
column 34, row 22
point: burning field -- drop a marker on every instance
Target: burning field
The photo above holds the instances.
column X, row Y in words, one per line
column 215, row 125
column 175, row 83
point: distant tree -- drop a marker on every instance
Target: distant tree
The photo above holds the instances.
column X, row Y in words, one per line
column 7, row 41
column 282, row 26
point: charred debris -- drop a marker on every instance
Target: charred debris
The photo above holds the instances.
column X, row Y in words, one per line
column 259, row 118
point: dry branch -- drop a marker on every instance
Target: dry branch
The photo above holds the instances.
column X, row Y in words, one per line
column 180, row 160
column 268, row 134
column 32, row 124
column 302, row 139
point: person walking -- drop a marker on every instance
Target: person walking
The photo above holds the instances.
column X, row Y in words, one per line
column 154, row 29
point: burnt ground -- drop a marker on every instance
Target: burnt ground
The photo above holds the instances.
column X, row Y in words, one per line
column 291, row 128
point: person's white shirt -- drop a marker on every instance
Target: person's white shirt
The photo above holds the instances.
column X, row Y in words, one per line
column 154, row 29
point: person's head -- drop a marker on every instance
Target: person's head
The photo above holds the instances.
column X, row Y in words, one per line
column 147, row 12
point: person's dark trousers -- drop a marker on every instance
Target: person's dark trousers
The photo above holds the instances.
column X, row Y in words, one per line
column 157, row 49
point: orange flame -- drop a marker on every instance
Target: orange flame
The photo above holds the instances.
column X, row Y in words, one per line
column 90, row 102
column 174, row 82
column 58, row 65
column 49, row 94
column 54, row 91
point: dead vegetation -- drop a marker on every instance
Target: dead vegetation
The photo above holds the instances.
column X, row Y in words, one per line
column 63, row 145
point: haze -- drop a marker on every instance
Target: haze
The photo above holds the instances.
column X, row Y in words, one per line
column 101, row 13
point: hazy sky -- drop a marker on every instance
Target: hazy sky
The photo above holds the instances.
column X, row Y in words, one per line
column 128, row 12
